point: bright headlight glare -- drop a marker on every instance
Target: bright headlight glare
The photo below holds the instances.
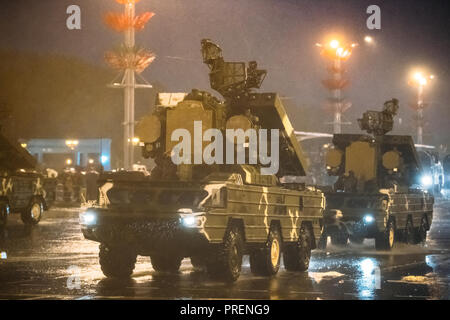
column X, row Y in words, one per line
column 88, row 218
column 368, row 218
column 189, row 221
column 426, row 181
column 192, row 221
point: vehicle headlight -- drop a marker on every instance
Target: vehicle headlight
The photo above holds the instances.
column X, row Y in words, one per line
column 192, row 220
column 88, row 218
column 189, row 222
column 426, row 181
column 368, row 218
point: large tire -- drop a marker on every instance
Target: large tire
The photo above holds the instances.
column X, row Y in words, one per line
column 421, row 231
column 409, row 232
column 4, row 212
column 226, row 261
column 166, row 263
column 297, row 256
column 386, row 240
column 33, row 213
column 266, row 261
column 117, row 262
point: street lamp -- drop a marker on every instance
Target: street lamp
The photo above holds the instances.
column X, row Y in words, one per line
column 420, row 80
column 72, row 144
column 130, row 61
column 337, row 52
column 368, row 39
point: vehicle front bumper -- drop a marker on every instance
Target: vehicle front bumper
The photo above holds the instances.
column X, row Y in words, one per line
column 356, row 225
column 146, row 235
column 362, row 229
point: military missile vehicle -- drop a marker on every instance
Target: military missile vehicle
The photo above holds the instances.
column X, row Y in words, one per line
column 21, row 188
column 374, row 196
column 213, row 208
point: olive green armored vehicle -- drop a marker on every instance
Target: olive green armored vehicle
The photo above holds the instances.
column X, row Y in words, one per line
column 21, row 189
column 213, row 212
column 374, row 196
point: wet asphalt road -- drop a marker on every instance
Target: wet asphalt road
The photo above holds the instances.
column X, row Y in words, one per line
column 53, row 261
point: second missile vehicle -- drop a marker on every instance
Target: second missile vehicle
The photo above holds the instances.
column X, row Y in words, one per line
column 375, row 195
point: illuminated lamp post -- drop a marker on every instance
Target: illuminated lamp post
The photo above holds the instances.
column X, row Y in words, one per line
column 337, row 53
column 420, row 81
column 130, row 61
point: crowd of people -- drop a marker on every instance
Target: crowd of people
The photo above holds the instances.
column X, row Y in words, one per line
column 73, row 185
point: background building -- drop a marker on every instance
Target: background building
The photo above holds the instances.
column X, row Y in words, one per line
column 59, row 153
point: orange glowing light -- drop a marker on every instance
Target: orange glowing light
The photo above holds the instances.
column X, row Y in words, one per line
column 368, row 39
column 336, row 47
column 140, row 21
column 121, row 22
column 343, row 53
column 334, row 44
column 127, row 1
column 420, row 78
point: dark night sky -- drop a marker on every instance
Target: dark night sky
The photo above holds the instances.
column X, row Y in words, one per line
column 279, row 34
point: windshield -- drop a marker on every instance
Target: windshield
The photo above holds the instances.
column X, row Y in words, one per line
column 185, row 198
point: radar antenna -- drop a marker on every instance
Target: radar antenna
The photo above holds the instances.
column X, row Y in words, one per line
column 380, row 122
column 230, row 79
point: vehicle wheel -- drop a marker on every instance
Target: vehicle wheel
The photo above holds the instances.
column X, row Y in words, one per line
column 356, row 239
column 117, row 262
column 4, row 212
column 386, row 240
column 421, row 232
column 166, row 263
column 339, row 238
column 32, row 215
column 226, row 261
column 409, row 232
column 297, row 256
column 266, row 261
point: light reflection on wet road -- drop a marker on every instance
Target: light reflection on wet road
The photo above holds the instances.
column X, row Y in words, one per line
column 52, row 259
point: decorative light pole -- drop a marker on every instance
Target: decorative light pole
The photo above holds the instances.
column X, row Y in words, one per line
column 337, row 53
column 419, row 80
column 130, row 61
